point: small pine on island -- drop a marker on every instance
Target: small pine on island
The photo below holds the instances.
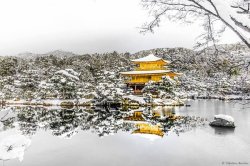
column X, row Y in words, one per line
column 149, row 68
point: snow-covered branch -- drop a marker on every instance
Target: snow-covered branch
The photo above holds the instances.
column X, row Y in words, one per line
column 232, row 14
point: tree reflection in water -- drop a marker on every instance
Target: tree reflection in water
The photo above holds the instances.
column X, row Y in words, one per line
column 66, row 122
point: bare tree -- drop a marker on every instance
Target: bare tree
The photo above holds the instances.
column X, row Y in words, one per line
column 216, row 14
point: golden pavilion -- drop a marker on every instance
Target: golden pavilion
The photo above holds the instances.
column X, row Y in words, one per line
column 149, row 68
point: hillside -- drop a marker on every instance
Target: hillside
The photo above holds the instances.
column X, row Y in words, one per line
column 205, row 72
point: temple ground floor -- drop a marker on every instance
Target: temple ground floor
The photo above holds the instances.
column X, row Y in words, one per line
column 137, row 87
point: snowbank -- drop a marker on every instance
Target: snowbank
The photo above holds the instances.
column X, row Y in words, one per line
column 50, row 102
column 138, row 99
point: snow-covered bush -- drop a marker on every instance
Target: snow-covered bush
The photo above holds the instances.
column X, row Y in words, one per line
column 66, row 81
column 164, row 88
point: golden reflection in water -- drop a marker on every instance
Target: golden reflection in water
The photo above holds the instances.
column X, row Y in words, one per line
column 145, row 128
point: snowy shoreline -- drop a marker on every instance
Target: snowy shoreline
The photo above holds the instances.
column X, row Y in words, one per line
column 129, row 100
column 49, row 102
column 228, row 97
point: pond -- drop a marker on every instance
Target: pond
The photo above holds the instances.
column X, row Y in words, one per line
column 36, row 136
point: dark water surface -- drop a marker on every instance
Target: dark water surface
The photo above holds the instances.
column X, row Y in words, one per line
column 78, row 138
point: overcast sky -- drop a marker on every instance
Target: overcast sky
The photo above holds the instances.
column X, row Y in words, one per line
column 86, row 26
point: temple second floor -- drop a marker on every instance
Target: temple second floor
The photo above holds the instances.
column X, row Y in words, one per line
column 146, row 76
column 144, row 66
column 150, row 62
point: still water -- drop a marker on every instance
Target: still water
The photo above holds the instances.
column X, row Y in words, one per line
column 33, row 136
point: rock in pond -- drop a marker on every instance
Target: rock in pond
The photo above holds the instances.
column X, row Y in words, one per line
column 222, row 120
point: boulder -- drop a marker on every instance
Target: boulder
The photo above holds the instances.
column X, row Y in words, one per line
column 222, row 120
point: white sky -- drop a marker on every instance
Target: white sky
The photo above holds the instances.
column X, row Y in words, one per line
column 86, row 26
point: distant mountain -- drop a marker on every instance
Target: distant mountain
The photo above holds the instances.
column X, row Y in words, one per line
column 165, row 53
column 60, row 53
column 222, row 48
column 27, row 55
column 161, row 52
column 225, row 51
column 57, row 53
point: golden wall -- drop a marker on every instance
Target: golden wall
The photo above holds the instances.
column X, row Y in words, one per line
column 145, row 78
column 150, row 66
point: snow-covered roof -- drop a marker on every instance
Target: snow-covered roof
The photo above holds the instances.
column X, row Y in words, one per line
column 149, row 58
column 146, row 72
column 225, row 117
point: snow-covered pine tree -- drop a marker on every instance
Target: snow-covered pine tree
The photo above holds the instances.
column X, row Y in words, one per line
column 66, row 81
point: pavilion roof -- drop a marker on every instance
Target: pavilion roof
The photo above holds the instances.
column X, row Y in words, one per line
column 149, row 58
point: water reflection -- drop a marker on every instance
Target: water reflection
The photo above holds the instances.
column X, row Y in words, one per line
column 223, row 131
column 66, row 122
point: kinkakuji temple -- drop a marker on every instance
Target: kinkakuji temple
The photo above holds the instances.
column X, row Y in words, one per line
column 149, row 68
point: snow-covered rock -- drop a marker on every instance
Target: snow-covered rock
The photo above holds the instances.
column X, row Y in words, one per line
column 225, row 117
column 222, row 120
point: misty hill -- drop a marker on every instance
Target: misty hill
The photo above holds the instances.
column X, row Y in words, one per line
column 56, row 53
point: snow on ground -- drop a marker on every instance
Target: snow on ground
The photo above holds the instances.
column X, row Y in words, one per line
column 138, row 99
column 158, row 101
column 52, row 102
column 13, row 146
column 176, row 101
